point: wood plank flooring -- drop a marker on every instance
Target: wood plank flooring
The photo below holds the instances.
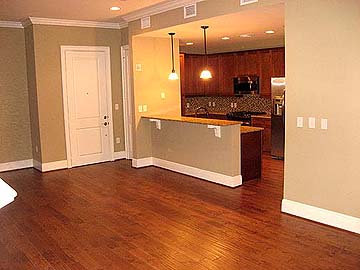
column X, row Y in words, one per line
column 111, row 216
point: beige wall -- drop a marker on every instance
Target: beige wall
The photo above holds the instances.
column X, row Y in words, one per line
column 195, row 145
column 47, row 42
column 33, row 103
column 15, row 134
column 154, row 54
column 125, row 36
column 205, row 9
column 323, row 80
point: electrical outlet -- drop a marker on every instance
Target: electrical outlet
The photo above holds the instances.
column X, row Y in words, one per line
column 209, row 103
column 116, row 107
column 118, row 140
column 232, row 105
column 140, row 108
column 187, row 105
column 138, row 67
column 145, row 108
column 235, row 105
column 213, row 104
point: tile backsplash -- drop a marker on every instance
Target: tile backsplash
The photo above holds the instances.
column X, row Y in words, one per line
column 253, row 103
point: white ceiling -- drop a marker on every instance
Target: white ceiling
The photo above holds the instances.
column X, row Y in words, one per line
column 250, row 21
column 87, row 10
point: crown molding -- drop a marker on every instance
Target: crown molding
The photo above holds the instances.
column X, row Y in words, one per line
column 10, row 24
column 157, row 9
column 63, row 22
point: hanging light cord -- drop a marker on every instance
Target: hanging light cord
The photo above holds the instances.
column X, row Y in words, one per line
column 205, row 43
column 172, row 51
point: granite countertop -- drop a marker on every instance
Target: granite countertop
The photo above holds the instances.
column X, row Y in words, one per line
column 214, row 113
column 248, row 129
column 196, row 120
column 263, row 116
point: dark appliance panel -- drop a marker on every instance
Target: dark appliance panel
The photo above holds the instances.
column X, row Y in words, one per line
column 246, row 84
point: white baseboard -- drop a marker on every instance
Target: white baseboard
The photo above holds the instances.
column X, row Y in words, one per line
column 16, row 165
column 119, row 155
column 50, row 166
column 229, row 181
column 142, row 162
column 45, row 167
column 320, row 215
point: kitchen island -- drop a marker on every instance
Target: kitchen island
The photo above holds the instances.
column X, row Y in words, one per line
column 210, row 149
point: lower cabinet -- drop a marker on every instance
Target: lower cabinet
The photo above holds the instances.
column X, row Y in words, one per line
column 264, row 123
column 251, row 155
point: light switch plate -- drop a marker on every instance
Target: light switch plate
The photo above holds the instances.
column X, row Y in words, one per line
column 117, row 140
column 299, row 122
column 232, row 105
column 162, row 95
column 213, row 104
column 324, row 123
column 187, row 105
column 140, row 108
column 116, row 107
column 209, row 103
column 145, row 108
column 235, row 105
column 138, row 67
column 312, row 122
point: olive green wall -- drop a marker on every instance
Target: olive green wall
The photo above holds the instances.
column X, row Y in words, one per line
column 15, row 134
column 47, row 42
column 33, row 102
column 323, row 80
column 154, row 54
column 196, row 146
column 205, row 9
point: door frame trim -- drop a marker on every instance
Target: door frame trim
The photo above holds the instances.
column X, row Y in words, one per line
column 106, row 50
column 127, row 102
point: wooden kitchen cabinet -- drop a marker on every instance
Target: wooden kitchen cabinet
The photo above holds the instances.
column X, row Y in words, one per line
column 212, row 85
column 227, row 69
column 251, row 155
column 265, row 123
column 193, row 65
column 278, row 62
column 265, row 63
column 265, row 72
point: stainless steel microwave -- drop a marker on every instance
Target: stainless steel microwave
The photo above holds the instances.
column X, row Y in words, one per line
column 246, row 84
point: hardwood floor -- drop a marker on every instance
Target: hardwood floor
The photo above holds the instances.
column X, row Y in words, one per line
column 110, row 216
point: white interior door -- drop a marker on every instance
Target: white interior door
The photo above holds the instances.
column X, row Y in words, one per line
column 89, row 122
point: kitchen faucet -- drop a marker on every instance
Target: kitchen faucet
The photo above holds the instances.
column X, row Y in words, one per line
column 202, row 109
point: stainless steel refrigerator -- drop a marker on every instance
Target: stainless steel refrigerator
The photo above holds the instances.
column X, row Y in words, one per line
column 278, row 117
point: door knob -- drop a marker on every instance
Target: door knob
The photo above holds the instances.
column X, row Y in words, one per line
column 106, row 123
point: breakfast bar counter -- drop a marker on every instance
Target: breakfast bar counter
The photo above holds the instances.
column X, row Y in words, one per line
column 209, row 149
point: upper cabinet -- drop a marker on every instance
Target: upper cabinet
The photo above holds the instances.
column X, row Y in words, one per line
column 278, row 62
column 224, row 67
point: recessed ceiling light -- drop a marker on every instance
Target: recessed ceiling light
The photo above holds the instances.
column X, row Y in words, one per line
column 245, row 35
column 270, row 32
column 189, row 43
column 115, row 8
column 225, row 38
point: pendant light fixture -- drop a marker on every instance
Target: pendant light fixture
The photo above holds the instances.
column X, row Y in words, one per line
column 205, row 74
column 173, row 75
